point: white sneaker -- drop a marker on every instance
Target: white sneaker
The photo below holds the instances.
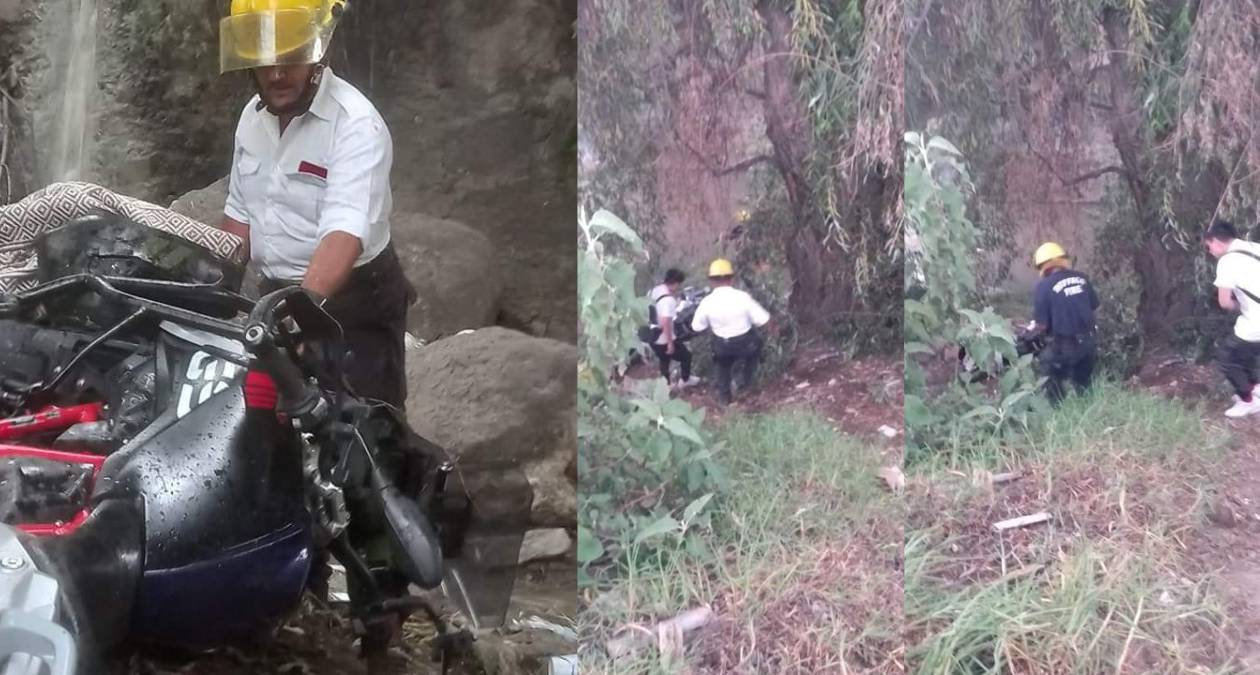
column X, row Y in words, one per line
column 1243, row 408
column 693, row 381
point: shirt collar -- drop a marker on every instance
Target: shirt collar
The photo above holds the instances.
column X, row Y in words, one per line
column 1236, row 244
column 323, row 106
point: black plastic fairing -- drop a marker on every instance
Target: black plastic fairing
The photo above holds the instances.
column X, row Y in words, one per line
column 98, row 567
column 212, row 474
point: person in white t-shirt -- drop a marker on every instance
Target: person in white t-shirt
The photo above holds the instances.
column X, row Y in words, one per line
column 1238, row 290
column 667, row 348
column 733, row 317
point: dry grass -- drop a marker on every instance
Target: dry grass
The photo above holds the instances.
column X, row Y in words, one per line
column 801, row 568
column 1106, row 585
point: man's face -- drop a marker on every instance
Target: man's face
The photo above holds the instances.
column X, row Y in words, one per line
column 1216, row 247
column 673, row 288
column 284, row 88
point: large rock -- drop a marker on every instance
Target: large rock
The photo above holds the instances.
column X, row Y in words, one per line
column 206, row 204
column 500, row 395
column 455, row 270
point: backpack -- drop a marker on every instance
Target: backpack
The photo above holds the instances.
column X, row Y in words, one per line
column 652, row 331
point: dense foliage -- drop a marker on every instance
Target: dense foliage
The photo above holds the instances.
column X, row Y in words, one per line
column 646, row 467
column 945, row 412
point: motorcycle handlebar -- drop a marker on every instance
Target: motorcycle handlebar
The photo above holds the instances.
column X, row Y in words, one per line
column 290, row 384
column 298, row 397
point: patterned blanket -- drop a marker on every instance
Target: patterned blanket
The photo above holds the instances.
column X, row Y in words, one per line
column 61, row 203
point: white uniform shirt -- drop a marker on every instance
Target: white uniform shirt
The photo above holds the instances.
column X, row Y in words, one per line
column 730, row 312
column 666, row 308
column 1240, row 271
column 329, row 172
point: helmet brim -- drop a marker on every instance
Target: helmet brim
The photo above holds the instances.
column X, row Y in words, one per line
column 273, row 38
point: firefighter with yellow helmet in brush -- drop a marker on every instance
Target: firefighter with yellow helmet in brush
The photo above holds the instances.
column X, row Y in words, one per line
column 1063, row 308
column 733, row 316
column 310, row 194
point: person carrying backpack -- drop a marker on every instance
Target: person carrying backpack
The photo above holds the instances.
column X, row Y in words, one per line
column 662, row 334
column 1237, row 290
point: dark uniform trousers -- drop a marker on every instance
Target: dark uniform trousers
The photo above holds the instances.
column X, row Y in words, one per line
column 1068, row 358
column 741, row 350
column 372, row 311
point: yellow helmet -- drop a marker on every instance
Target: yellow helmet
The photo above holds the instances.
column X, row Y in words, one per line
column 721, row 268
column 1047, row 252
column 259, row 33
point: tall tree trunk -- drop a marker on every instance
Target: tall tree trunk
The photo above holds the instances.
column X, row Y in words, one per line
column 1153, row 263
column 787, row 127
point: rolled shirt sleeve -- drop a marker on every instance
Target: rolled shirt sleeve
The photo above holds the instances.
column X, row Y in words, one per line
column 756, row 313
column 360, row 160
column 235, row 208
column 700, row 322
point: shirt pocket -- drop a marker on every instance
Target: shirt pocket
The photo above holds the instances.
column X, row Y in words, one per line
column 305, row 185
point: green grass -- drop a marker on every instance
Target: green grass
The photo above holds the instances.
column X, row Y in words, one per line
column 797, row 563
column 1109, row 419
column 1103, row 587
column 1101, row 607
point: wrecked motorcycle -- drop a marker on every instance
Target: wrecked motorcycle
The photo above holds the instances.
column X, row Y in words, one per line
column 173, row 458
column 1025, row 343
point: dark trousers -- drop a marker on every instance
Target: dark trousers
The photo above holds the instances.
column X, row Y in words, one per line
column 743, row 351
column 1237, row 360
column 681, row 354
column 372, row 311
column 1068, row 358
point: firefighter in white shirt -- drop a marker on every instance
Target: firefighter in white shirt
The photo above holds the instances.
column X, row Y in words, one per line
column 1238, row 290
column 310, row 195
column 310, row 191
column 733, row 317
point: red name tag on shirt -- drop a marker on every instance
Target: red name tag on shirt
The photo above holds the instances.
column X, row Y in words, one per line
column 307, row 167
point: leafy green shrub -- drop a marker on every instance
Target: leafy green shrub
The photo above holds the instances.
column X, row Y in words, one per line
column 941, row 241
column 647, row 469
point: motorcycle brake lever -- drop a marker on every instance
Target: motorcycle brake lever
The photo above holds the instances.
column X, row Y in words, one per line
column 345, row 435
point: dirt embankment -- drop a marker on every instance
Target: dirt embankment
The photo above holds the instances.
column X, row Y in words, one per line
column 1228, row 543
column 860, row 397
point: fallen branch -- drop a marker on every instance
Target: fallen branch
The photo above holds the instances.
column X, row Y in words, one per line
column 664, row 633
column 999, row 478
column 1022, row 521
